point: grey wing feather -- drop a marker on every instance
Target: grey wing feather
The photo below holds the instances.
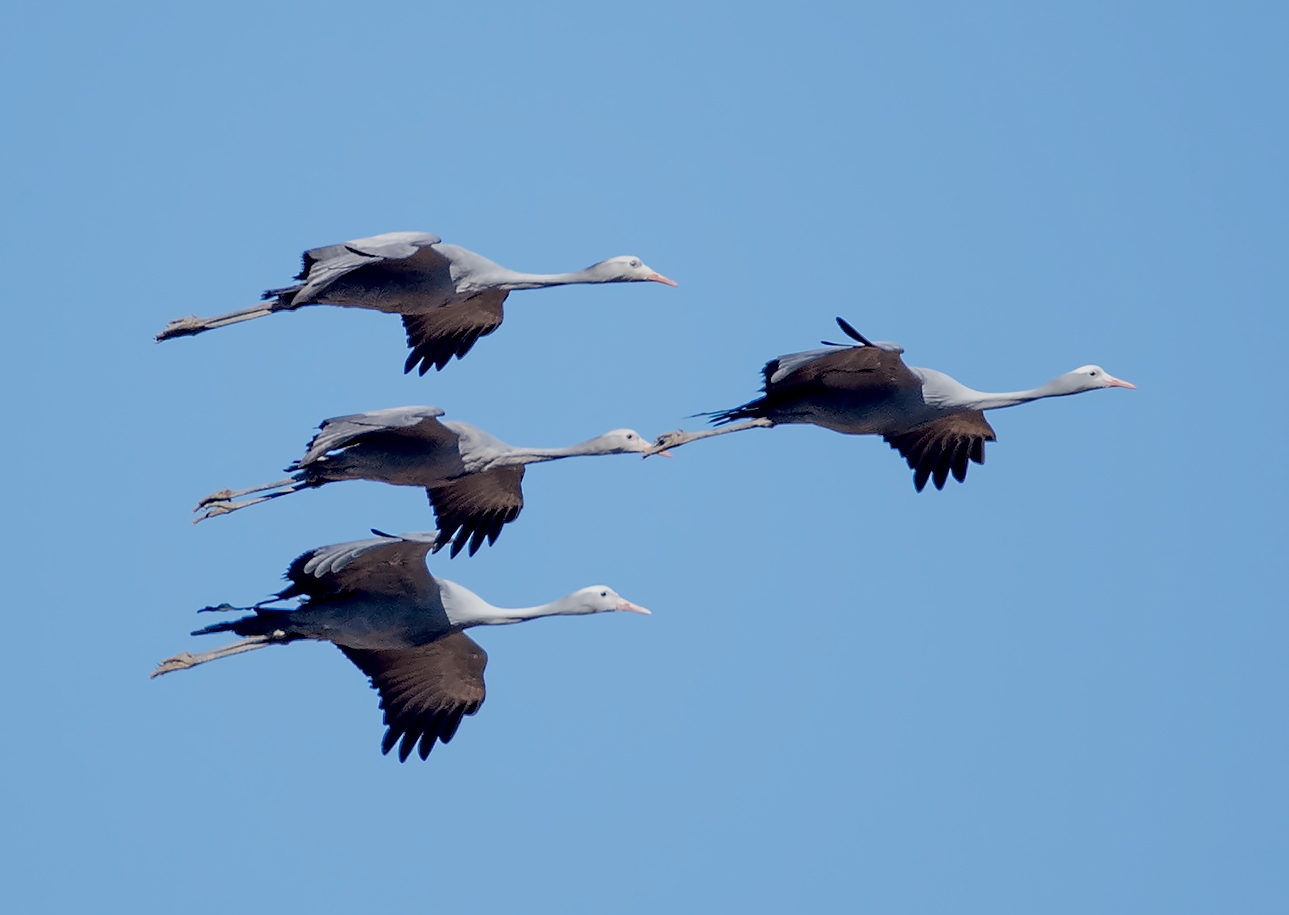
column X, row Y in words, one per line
column 424, row 691
column 323, row 266
column 393, row 244
column 340, row 431
column 328, row 560
column 391, row 566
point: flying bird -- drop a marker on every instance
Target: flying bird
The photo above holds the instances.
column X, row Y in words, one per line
column 935, row 423
column 404, row 628
column 448, row 297
column 473, row 479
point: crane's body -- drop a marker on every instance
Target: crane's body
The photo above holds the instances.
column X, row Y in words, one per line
column 448, row 296
column 404, row 628
column 935, row 422
column 473, row 478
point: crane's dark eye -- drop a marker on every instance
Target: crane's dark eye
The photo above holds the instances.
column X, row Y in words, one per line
column 604, row 594
column 635, row 263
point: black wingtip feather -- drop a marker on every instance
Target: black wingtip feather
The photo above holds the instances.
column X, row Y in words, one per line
column 959, row 466
column 405, row 747
column 448, row 729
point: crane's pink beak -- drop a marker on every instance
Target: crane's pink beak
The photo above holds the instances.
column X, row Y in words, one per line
column 633, row 608
column 659, row 278
column 1113, row 382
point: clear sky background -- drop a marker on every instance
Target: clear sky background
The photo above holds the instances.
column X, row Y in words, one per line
column 1060, row 687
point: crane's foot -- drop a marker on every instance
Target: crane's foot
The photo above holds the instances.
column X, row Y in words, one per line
column 670, row 440
column 212, row 509
column 182, row 327
column 224, row 495
column 181, row 661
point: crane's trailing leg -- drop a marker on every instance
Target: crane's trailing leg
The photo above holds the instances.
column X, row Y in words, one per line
column 681, row 437
column 186, row 659
column 227, row 495
column 186, row 327
column 214, row 504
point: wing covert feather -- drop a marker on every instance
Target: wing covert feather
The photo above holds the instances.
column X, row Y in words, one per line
column 340, row 431
column 382, row 566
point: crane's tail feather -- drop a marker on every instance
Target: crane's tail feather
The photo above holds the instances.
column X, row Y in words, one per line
column 263, row 622
column 283, row 297
column 749, row 410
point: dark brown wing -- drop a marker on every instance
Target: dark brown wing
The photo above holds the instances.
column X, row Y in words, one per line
column 436, row 336
column 476, row 507
column 943, row 446
column 385, row 566
column 856, row 368
column 424, row 691
column 859, row 375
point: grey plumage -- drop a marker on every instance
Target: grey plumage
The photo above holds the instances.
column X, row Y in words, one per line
column 473, row 479
column 448, row 296
column 937, row 424
column 376, row 601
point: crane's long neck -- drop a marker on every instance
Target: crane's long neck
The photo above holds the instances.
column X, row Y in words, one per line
column 940, row 390
column 538, row 455
column 516, row 280
column 484, row 614
column 1054, row 388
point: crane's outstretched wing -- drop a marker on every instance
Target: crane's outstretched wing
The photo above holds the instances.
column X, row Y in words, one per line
column 420, row 423
column 424, row 691
column 437, row 335
column 385, row 566
column 398, row 251
column 859, row 375
column 943, row 446
column 852, row 368
column 477, row 506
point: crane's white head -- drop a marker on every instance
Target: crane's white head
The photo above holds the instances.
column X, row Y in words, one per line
column 1091, row 377
column 621, row 441
column 626, row 269
column 599, row 599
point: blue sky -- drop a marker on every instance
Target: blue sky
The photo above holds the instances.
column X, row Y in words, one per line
column 1059, row 687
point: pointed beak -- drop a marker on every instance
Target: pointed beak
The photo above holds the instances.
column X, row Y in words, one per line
column 632, row 608
column 659, row 278
column 1113, row 382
